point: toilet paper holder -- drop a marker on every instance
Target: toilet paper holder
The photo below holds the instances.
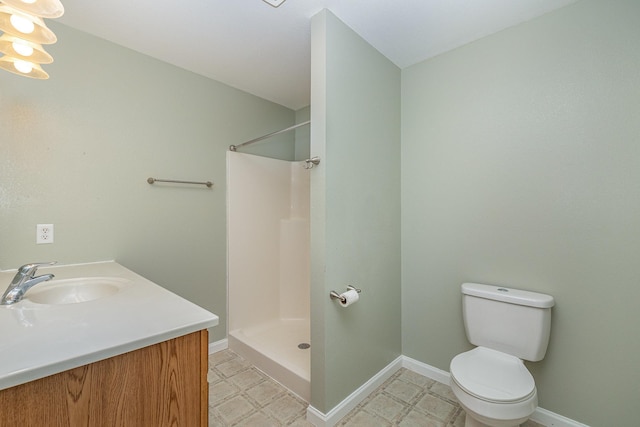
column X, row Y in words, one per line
column 335, row 295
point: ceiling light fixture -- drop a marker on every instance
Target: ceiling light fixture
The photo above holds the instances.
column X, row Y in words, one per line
column 25, row 32
column 274, row 3
column 23, row 49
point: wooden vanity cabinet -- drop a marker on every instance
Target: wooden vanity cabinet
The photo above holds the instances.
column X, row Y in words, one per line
column 161, row 385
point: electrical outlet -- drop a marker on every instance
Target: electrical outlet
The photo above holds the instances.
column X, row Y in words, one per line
column 44, row 234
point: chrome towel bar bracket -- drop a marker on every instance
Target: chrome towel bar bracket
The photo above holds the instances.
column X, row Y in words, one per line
column 310, row 163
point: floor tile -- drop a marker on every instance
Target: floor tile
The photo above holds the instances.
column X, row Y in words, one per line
column 300, row 422
column 433, row 405
column 247, row 378
column 414, row 378
column 459, row 418
column 220, row 356
column 234, row 409
column 212, row 376
column 258, row 419
column 265, row 392
column 242, row 396
column 233, row 366
column 365, row 419
column 402, row 390
column 385, row 407
column 221, row 390
column 286, row 408
column 443, row 390
column 418, row 419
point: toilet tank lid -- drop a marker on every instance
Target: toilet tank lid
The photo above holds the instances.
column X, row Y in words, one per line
column 509, row 295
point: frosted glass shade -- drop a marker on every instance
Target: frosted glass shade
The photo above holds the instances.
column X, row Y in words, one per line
column 274, row 3
column 14, row 65
column 40, row 34
column 43, row 8
column 19, row 48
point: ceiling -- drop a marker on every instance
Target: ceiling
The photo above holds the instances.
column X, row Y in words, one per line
column 252, row 46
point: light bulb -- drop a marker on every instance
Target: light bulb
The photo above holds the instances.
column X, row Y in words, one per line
column 22, row 24
column 28, row 1
column 23, row 66
column 22, row 49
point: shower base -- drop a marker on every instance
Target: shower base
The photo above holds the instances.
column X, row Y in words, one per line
column 273, row 348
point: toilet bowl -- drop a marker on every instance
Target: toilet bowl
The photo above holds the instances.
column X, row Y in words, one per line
column 491, row 381
column 495, row 389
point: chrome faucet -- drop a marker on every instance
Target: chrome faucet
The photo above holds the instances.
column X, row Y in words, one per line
column 24, row 280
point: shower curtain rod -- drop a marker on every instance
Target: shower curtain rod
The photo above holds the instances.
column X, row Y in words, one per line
column 235, row 147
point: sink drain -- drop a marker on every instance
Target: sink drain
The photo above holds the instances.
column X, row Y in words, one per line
column 304, row 346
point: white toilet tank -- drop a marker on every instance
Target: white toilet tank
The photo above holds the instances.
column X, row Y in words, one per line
column 508, row 320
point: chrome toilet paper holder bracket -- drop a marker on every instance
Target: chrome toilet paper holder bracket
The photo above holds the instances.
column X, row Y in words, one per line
column 335, row 295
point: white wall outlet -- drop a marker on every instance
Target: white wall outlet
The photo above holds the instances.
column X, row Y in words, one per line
column 44, row 233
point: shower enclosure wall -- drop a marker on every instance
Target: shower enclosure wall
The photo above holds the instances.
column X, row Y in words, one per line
column 268, row 272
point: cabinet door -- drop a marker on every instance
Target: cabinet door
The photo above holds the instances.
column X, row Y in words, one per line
column 160, row 385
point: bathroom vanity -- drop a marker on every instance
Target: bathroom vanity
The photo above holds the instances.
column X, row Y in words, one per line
column 100, row 345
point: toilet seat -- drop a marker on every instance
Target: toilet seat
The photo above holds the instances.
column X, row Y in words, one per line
column 492, row 376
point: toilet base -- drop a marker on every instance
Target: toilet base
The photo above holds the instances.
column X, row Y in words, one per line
column 472, row 422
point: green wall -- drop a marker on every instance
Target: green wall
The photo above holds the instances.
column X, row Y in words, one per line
column 521, row 167
column 76, row 150
column 355, row 210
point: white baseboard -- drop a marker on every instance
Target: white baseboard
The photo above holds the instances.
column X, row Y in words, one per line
column 330, row 419
column 217, row 346
column 426, row 370
column 542, row 416
column 550, row 419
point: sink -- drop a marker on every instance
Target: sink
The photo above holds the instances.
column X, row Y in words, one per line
column 72, row 291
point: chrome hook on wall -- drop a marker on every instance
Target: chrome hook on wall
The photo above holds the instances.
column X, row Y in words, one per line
column 310, row 163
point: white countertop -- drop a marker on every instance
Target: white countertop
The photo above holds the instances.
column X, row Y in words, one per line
column 38, row 340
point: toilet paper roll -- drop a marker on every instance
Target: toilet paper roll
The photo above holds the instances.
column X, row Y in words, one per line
column 349, row 297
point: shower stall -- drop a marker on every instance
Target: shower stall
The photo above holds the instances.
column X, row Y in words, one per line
column 268, row 266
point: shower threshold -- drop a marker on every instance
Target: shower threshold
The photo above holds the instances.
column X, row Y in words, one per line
column 273, row 348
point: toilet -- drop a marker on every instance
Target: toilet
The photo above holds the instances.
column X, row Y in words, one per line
column 507, row 326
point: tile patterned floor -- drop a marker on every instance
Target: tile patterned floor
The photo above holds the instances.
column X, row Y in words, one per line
column 241, row 395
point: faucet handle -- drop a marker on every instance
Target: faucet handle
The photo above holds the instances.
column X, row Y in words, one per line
column 30, row 269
